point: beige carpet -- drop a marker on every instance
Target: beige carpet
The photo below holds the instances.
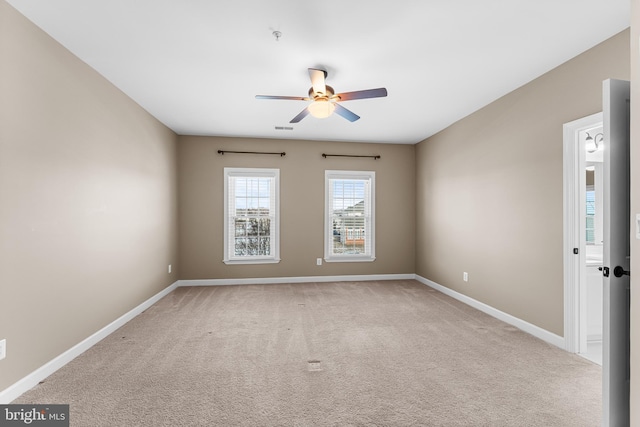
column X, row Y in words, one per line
column 393, row 353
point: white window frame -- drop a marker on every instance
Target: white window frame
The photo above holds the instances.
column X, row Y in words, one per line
column 229, row 242
column 370, row 225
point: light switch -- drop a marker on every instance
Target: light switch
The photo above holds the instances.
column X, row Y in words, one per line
column 638, row 226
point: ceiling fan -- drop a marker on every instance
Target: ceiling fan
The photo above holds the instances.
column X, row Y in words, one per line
column 325, row 100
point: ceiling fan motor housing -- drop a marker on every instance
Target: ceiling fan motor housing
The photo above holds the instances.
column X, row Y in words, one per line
column 330, row 93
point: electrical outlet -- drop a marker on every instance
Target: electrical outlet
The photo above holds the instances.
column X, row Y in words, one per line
column 3, row 349
column 319, row 261
column 169, row 269
column 465, row 276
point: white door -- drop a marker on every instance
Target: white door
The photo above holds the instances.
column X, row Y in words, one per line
column 615, row 357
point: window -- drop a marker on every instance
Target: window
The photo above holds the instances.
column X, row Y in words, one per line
column 251, row 216
column 591, row 213
column 349, row 216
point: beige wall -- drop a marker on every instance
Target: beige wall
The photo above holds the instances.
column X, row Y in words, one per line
column 88, row 214
column 302, row 205
column 635, row 209
column 489, row 190
column 590, row 177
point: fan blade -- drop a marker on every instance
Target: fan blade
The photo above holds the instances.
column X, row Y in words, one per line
column 300, row 116
column 291, row 98
column 349, row 115
column 363, row 94
column 317, row 81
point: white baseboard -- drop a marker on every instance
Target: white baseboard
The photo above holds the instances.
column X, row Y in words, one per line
column 14, row 391
column 304, row 279
column 527, row 327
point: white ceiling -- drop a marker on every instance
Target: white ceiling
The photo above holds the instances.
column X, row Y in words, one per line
column 196, row 65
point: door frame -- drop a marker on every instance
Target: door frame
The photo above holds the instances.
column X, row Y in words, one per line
column 574, row 184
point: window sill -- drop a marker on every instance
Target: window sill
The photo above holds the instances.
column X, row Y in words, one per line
column 350, row 259
column 251, row 261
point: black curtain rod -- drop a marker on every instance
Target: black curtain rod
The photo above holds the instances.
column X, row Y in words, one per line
column 348, row 155
column 250, row 152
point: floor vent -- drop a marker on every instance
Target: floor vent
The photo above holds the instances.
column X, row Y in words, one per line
column 284, row 128
column 314, row 365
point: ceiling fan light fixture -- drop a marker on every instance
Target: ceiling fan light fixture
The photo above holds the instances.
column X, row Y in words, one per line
column 321, row 108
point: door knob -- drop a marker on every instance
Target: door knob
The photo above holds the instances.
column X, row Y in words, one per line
column 619, row 272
